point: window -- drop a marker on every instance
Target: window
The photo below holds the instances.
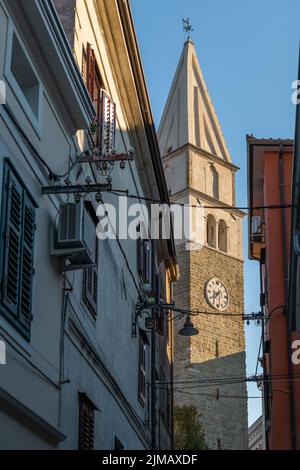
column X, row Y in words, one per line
column 105, row 108
column 215, row 181
column 222, row 236
column 86, row 423
column 211, row 231
column 90, row 275
column 144, row 261
column 17, row 230
column 142, row 370
column 25, row 76
column 118, row 444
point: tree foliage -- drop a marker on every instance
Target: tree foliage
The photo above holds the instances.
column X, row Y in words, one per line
column 188, row 430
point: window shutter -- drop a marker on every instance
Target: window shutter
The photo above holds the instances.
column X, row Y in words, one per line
column 90, row 276
column 160, row 321
column 107, row 124
column 86, row 425
column 139, row 256
column 147, row 261
column 91, row 288
column 90, row 70
column 12, row 244
column 91, row 285
column 142, row 372
column 27, row 262
column 144, row 261
column 84, row 66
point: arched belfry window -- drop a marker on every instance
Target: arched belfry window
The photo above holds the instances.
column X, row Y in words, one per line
column 222, row 236
column 211, row 231
column 214, row 181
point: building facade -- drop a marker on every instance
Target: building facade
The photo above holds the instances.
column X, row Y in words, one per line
column 78, row 357
column 256, row 435
column 199, row 170
column 270, row 167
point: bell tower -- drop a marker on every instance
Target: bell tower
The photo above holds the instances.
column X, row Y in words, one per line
column 209, row 368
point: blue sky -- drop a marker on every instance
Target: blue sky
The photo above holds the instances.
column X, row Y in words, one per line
column 248, row 54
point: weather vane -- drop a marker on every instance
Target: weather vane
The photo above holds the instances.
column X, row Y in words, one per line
column 187, row 27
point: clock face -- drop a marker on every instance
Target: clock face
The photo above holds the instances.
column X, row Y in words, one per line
column 216, row 294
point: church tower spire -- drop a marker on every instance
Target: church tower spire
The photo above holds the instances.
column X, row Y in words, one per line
column 189, row 116
column 198, row 167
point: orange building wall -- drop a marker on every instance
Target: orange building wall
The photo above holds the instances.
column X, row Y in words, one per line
column 279, row 435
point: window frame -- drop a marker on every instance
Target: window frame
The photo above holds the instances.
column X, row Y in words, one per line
column 35, row 121
column 105, row 134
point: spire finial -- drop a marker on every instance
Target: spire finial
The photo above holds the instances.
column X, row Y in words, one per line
column 187, row 27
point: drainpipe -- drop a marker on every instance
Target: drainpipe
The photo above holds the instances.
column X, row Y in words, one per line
column 153, row 379
column 265, row 390
column 289, row 331
column 172, row 380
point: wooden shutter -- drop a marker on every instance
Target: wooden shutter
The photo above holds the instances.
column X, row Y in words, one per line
column 160, row 317
column 144, row 261
column 27, row 262
column 86, row 424
column 139, row 256
column 107, row 124
column 91, row 63
column 13, row 242
column 142, row 371
column 90, row 276
column 91, row 289
column 84, row 66
column 147, row 262
column 90, row 282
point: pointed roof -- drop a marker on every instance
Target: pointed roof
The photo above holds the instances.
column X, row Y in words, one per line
column 189, row 116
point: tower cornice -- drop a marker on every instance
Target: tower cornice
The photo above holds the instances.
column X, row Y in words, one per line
column 204, row 153
column 190, row 191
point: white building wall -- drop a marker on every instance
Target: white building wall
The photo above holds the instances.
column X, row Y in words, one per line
column 99, row 356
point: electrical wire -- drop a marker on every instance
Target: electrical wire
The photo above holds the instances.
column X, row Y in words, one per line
column 120, row 192
column 125, row 257
column 185, row 385
column 218, row 396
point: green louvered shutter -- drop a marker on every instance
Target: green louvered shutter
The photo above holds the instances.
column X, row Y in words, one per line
column 12, row 243
column 27, row 262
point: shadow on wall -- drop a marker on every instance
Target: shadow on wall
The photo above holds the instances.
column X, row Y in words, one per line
column 217, row 388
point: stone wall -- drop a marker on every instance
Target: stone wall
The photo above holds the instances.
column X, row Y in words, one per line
column 218, row 352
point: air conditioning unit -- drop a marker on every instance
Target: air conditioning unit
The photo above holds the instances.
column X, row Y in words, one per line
column 256, row 229
column 75, row 240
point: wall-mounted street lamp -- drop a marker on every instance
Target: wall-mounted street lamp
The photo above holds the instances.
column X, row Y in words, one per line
column 188, row 328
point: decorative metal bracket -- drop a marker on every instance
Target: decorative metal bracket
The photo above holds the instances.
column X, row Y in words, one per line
column 97, row 156
column 76, row 188
column 144, row 304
